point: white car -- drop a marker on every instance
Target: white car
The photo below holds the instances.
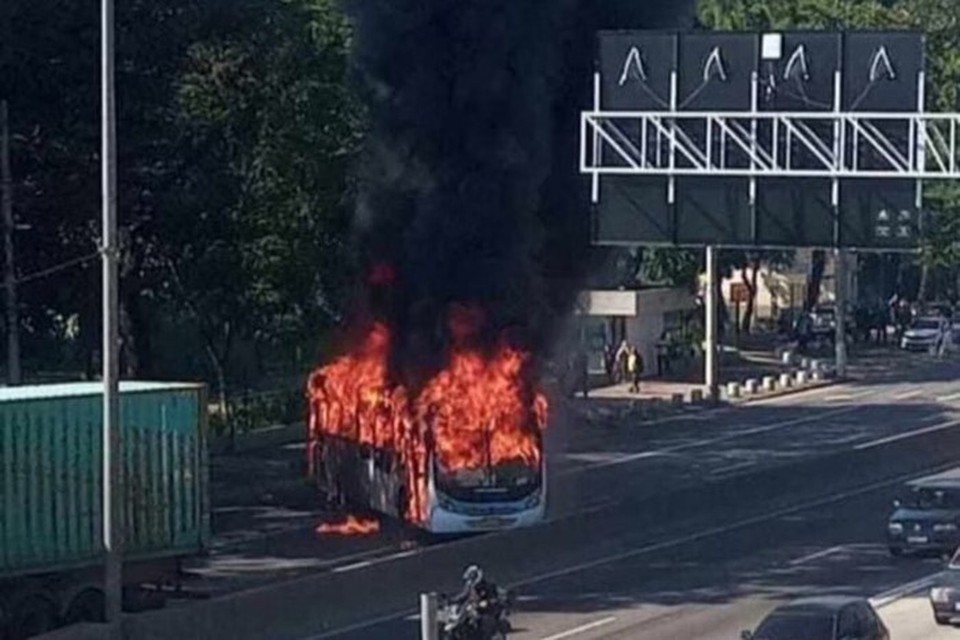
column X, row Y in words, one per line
column 925, row 334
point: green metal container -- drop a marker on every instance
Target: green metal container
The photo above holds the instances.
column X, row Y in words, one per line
column 50, row 474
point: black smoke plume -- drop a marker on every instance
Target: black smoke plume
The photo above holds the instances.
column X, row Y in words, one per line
column 469, row 190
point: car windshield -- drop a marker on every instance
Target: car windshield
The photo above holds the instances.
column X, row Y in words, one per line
column 934, row 498
column 796, row 626
column 926, row 324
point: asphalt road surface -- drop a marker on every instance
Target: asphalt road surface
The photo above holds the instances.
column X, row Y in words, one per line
column 691, row 528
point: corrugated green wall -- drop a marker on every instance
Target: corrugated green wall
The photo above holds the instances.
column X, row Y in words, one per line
column 50, row 478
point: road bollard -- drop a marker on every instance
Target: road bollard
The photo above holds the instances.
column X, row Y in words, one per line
column 786, row 380
column 429, row 628
column 751, row 386
column 696, row 396
column 769, row 383
column 802, row 377
column 676, row 399
column 787, row 358
column 804, row 363
column 733, row 389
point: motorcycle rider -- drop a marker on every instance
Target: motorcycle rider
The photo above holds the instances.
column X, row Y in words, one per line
column 483, row 595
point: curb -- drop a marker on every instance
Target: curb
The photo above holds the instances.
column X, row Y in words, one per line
column 810, row 386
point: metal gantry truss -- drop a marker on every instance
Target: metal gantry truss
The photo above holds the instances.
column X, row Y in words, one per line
column 771, row 144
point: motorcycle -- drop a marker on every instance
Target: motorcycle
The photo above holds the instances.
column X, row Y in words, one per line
column 484, row 620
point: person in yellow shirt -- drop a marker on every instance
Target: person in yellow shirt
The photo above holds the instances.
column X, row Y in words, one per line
column 634, row 369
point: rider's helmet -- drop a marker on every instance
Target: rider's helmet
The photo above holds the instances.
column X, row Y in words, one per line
column 472, row 575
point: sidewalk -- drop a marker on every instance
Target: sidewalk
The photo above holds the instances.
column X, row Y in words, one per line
column 758, row 356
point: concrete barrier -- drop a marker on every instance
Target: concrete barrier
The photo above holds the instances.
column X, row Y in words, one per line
column 786, row 381
column 802, row 377
column 733, row 389
column 751, row 386
column 696, row 396
column 769, row 383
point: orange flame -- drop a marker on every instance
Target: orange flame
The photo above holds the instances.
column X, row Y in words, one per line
column 480, row 410
column 352, row 526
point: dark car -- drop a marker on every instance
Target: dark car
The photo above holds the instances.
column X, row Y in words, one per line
column 823, row 618
column 927, row 519
column 945, row 594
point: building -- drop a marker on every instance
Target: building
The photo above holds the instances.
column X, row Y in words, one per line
column 606, row 317
column 785, row 289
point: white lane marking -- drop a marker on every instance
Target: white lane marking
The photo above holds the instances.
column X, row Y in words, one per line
column 823, row 553
column 584, row 627
column 892, row 595
column 351, row 567
column 903, row 395
column 707, row 441
column 904, row 436
column 949, row 398
column 667, row 544
column 714, row 531
column 849, row 395
column 733, row 467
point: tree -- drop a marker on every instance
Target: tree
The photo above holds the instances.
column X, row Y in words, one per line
column 252, row 235
column 236, row 134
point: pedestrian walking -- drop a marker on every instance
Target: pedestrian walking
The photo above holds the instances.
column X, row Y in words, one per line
column 623, row 353
column 635, row 369
column 581, row 365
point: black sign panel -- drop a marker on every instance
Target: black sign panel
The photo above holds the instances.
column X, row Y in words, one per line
column 796, row 72
column 635, row 69
column 715, row 74
column 881, row 72
column 799, row 211
column 634, row 210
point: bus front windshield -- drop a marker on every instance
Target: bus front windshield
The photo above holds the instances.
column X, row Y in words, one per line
column 505, row 480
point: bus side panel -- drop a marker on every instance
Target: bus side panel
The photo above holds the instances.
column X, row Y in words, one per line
column 356, row 475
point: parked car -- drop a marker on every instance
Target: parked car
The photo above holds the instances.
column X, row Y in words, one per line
column 927, row 519
column 824, row 321
column 945, row 593
column 821, row 618
column 925, row 334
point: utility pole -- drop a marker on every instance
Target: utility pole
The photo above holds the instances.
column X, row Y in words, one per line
column 840, row 294
column 9, row 272
column 112, row 488
column 711, row 352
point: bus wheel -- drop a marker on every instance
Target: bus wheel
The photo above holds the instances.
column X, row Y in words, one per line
column 32, row 616
column 86, row 606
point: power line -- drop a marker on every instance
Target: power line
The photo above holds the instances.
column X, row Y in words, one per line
column 57, row 268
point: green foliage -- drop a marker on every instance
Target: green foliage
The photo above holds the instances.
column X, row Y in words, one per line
column 236, row 132
column 677, row 267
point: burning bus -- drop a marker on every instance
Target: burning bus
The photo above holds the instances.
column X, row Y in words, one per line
column 463, row 453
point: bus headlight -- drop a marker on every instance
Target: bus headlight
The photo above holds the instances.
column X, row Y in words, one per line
column 895, row 528
column 944, row 527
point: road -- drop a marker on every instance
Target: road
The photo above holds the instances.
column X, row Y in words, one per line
column 691, row 528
